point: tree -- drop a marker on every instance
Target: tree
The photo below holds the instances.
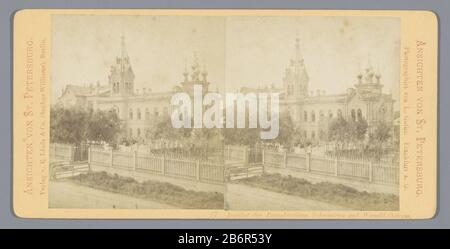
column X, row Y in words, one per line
column 241, row 136
column 298, row 138
column 357, row 129
column 68, row 125
column 205, row 140
column 103, row 126
column 287, row 129
column 161, row 128
column 76, row 125
column 381, row 134
column 347, row 132
column 338, row 130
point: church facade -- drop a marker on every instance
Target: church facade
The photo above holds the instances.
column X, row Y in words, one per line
column 311, row 112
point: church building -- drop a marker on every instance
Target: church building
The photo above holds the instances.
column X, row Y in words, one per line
column 314, row 111
column 310, row 111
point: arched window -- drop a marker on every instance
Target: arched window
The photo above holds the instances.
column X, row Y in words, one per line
column 131, row 114
column 155, row 111
column 382, row 113
column 313, row 116
column 321, row 115
column 138, row 132
column 330, row 114
column 138, row 114
column 147, row 114
column 359, row 114
column 313, row 135
column 321, row 134
column 353, row 115
column 305, row 116
column 115, row 109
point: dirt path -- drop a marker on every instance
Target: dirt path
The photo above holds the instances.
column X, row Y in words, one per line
column 66, row 194
column 242, row 197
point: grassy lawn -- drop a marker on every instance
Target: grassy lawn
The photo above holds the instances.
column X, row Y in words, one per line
column 152, row 190
column 332, row 193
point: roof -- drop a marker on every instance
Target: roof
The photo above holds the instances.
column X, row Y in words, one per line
column 86, row 91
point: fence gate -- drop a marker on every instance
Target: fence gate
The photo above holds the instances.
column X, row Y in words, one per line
column 236, row 173
column 65, row 169
column 255, row 155
column 80, row 153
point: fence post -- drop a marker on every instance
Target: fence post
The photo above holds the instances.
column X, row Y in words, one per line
column 111, row 157
column 163, row 169
column 285, row 159
column 134, row 160
column 197, row 170
column 89, row 154
column 262, row 156
column 71, row 153
column 308, row 162
column 246, row 150
column 89, row 157
column 370, row 171
column 54, row 150
column 224, row 174
column 336, row 170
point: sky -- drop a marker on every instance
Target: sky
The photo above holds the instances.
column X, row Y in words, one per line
column 236, row 51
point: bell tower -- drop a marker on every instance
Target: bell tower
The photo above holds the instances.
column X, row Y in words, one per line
column 121, row 77
column 296, row 79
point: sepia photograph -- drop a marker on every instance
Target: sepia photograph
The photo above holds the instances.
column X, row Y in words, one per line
column 258, row 113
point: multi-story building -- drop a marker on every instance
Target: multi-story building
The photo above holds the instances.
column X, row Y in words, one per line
column 136, row 108
column 310, row 112
column 313, row 112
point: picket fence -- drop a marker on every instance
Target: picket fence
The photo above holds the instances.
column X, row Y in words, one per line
column 159, row 165
column 377, row 172
column 61, row 152
column 382, row 172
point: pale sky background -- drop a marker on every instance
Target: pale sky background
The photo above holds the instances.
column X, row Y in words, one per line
column 236, row 51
